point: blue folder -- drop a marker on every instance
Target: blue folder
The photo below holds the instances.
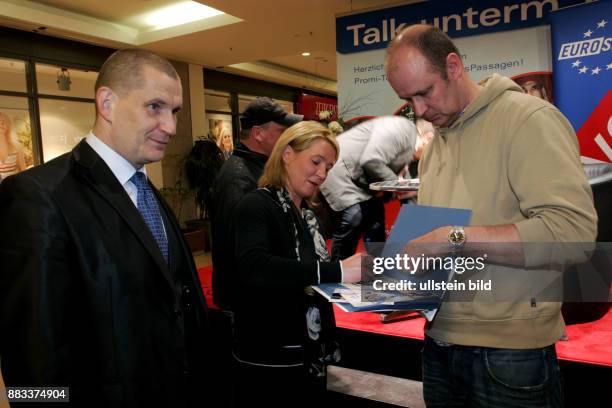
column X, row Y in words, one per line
column 412, row 222
column 416, row 220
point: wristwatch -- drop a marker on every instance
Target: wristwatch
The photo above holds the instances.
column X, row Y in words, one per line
column 457, row 238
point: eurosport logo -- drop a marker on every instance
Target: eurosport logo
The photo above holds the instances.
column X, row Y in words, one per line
column 589, row 54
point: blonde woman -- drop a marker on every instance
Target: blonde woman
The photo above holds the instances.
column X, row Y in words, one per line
column 225, row 143
column 12, row 159
column 281, row 346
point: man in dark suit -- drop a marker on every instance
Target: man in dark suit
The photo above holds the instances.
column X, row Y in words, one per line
column 98, row 290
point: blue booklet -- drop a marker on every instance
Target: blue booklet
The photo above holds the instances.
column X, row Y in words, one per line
column 412, row 222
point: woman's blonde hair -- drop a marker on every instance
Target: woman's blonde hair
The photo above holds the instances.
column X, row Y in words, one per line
column 9, row 136
column 300, row 137
column 225, row 131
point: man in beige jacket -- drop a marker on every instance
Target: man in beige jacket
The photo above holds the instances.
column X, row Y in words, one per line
column 513, row 160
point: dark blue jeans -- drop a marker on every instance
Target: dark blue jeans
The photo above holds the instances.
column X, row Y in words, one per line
column 365, row 219
column 466, row 376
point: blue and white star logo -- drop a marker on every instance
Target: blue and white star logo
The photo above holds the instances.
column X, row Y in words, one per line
column 591, row 53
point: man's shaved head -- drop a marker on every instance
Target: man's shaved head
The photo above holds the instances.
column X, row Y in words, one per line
column 122, row 71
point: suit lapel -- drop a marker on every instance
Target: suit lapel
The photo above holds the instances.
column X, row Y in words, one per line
column 96, row 173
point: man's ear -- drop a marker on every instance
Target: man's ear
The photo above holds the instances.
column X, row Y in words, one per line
column 454, row 66
column 256, row 133
column 105, row 102
column 287, row 153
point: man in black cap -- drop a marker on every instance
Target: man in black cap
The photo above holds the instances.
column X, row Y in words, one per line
column 262, row 123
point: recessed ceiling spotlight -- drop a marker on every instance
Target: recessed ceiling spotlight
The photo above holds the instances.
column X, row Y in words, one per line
column 306, row 54
column 180, row 13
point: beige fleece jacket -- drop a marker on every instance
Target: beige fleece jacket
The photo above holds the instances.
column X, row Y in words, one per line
column 510, row 158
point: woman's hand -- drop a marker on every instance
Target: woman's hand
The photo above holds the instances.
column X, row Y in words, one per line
column 351, row 268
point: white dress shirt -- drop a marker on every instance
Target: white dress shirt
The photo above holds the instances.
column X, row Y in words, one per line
column 121, row 168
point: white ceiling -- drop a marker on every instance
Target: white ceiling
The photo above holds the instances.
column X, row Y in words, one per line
column 258, row 38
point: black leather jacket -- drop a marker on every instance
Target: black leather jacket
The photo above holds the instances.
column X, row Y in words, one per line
column 238, row 176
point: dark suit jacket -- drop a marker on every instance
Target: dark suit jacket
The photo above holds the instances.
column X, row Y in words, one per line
column 86, row 298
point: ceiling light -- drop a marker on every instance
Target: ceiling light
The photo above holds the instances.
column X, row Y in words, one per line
column 181, row 13
column 306, row 54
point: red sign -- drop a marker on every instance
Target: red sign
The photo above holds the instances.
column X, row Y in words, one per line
column 595, row 135
column 310, row 106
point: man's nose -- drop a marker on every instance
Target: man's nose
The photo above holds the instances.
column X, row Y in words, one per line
column 168, row 123
column 419, row 107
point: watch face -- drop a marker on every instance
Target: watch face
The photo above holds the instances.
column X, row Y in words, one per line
column 456, row 236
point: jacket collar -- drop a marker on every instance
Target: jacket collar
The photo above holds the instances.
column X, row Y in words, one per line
column 244, row 152
column 492, row 88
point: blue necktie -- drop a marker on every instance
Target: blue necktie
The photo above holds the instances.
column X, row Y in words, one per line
column 149, row 209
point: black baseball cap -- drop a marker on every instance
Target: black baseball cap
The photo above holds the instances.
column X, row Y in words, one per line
column 263, row 110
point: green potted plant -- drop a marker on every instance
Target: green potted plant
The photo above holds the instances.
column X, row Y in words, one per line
column 201, row 166
column 177, row 194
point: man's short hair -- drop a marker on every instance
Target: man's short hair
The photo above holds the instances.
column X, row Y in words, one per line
column 122, row 71
column 246, row 133
column 430, row 41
